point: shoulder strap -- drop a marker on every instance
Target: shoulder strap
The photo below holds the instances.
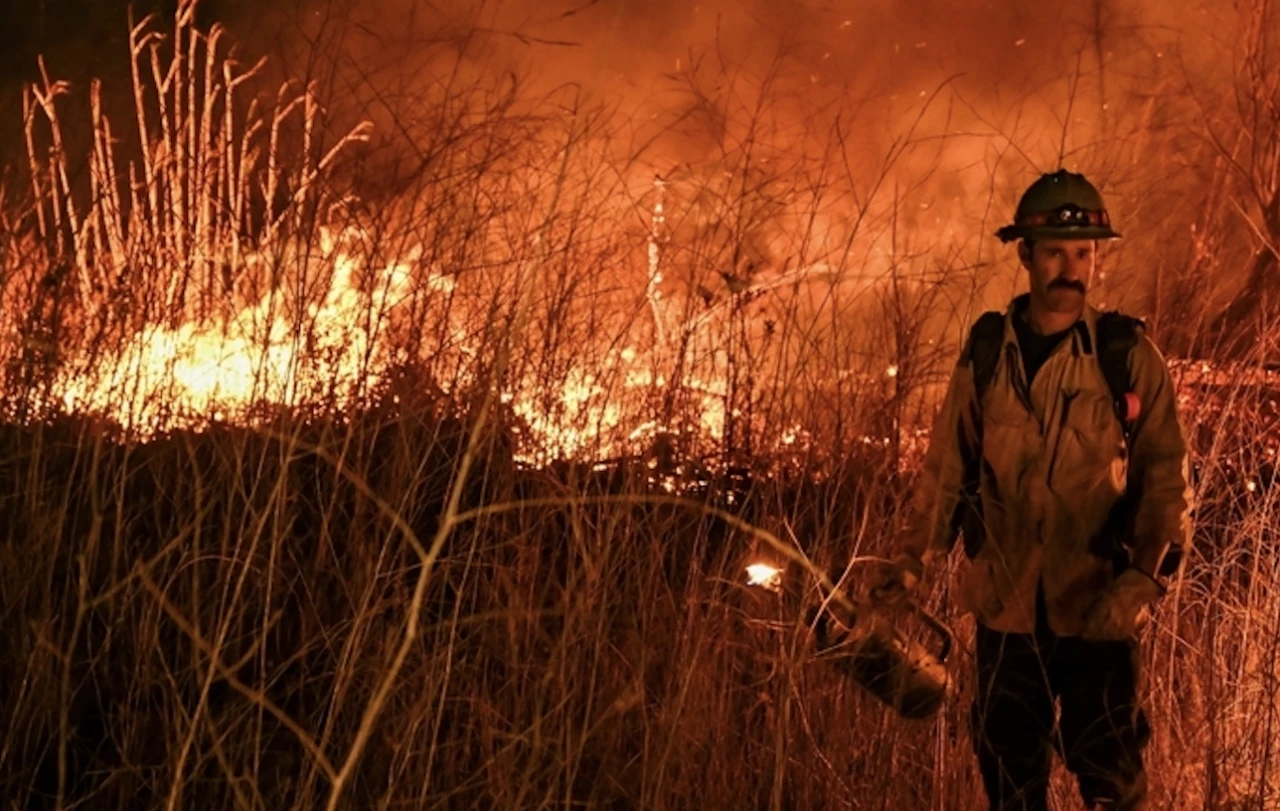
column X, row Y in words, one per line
column 985, row 339
column 1117, row 336
column 982, row 354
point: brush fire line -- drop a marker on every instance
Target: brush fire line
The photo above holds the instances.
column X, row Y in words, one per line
column 860, row 639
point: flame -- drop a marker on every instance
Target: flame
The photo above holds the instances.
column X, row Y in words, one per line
column 765, row 576
column 337, row 352
column 674, row 356
column 219, row 369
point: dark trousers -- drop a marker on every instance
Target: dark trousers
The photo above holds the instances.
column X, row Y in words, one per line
column 1100, row 732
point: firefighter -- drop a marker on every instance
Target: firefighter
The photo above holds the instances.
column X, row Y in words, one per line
column 1032, row 458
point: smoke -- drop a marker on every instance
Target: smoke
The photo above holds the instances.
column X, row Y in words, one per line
column 946, row 109
column 949, row 106
column 1009, row 72
column 880, row 48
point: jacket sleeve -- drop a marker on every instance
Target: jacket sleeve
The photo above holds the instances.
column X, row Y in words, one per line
column 1159, row 466
column 950, row 463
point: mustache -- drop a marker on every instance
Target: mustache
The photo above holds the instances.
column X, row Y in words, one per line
column 1070, row 284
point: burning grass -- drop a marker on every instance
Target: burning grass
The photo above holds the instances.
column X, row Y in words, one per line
column 451, row 506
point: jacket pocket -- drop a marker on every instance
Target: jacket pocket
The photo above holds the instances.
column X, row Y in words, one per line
column 1090, row 459
column 1006, row 434
column 1010, row 441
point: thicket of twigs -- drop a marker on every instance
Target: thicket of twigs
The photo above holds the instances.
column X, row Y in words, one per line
column 481, row 542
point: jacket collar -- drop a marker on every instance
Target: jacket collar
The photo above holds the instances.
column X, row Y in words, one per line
column 1084, row 335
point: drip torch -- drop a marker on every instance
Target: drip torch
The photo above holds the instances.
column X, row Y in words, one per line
column 861, row 638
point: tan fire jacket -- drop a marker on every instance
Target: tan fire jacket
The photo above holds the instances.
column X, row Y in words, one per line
column 1051, row 462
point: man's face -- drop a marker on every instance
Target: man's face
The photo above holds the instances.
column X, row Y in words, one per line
column 1060, row 271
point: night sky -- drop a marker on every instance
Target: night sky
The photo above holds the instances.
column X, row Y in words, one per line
column 80, row 36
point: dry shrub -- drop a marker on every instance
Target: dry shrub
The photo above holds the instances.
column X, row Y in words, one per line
column 433, row 591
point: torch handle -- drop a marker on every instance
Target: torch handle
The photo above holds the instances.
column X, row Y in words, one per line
column 938, row 627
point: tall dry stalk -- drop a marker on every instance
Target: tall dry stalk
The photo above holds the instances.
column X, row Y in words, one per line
column 253, row 619
column 213, row 178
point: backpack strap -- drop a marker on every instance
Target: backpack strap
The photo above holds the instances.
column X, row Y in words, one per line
column 1117, row 336
column 982, row 354
column 985, row 339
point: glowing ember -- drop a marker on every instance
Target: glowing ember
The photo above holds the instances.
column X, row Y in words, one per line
column 765, row 576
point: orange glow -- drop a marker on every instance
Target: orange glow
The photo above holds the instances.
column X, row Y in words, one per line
column 219, row 369
column 764, row 575
column 744, row 310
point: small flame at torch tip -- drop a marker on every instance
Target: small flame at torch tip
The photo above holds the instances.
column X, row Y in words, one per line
column 762, row 574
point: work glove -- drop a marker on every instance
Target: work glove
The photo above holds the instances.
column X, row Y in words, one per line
column 899, row 578
column 1116, row 614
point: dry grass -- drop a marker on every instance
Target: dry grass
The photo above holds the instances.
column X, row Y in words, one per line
column 371, row 599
